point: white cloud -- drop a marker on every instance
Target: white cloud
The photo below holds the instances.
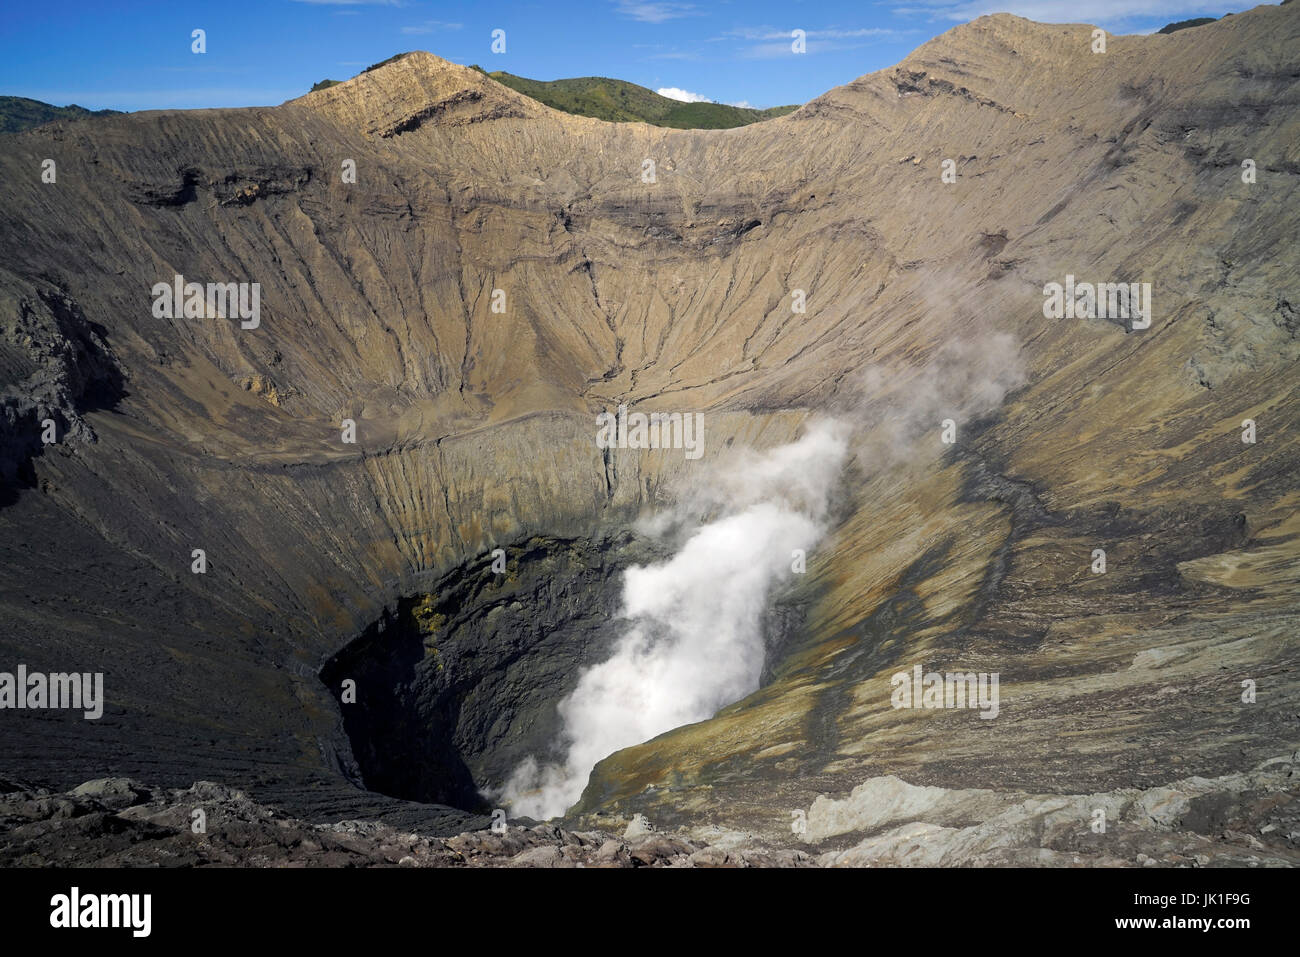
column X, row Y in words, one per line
column 769, row 33
column 655, row 11
column 743, row 104
column 768, row 41
column 431, row 26
column 685, row 96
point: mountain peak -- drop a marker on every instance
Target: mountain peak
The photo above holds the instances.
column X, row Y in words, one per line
column 410, row 89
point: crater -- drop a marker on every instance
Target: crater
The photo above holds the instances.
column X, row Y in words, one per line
column 458, row 684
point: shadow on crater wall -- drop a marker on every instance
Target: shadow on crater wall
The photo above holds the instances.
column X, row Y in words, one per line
column 458, row 685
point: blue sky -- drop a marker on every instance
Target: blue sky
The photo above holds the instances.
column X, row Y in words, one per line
column 135, row 56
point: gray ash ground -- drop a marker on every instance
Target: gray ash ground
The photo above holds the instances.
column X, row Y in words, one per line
column 1248, row 819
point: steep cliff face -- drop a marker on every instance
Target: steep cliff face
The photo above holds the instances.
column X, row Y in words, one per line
column 474, row 427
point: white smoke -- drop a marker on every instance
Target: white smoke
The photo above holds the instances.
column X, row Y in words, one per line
column 897, row 410
column 695, row 642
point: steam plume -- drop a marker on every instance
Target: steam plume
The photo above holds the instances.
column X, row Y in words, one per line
column 693, row 641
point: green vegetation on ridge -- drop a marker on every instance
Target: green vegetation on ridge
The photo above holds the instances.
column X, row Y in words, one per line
column 618, row 101
column 1185, row 24
column 18, row 113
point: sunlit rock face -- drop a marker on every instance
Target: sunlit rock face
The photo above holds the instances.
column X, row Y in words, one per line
column 475, row 414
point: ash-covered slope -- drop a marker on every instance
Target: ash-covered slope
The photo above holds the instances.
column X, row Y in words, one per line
column 474, row 427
